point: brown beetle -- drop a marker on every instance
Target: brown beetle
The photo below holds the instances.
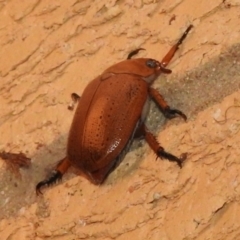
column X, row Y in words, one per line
column 110, row 113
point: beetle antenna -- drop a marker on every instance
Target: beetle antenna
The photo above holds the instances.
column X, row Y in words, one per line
column 165, row 70
column 184, row 35
column 168, row 57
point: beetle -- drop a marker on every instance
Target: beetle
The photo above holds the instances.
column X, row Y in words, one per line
column 111, row 112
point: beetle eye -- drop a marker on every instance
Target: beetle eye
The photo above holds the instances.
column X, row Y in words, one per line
column 152, row 63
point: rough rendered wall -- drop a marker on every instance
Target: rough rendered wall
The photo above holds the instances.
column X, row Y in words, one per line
column 49, row 49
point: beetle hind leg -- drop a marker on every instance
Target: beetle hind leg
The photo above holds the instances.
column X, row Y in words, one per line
column 55, row 176
column 153, row 143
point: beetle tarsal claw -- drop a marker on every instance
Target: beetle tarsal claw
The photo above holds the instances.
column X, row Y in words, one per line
column 163, row 154
column 172, row 113
column 183, row 157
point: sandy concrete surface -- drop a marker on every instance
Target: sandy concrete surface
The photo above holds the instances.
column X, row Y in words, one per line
column 50, row 49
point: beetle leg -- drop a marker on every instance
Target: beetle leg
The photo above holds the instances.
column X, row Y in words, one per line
column 134, row 52
column 167, row 111
column 56, row 175
column 153, row 143
column 168, row 57
column 75, row 98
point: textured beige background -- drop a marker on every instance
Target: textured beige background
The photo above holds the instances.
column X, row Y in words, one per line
column 50, row 49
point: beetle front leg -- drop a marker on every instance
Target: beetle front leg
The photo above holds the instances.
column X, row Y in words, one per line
column 75, row 98
column 55, row 176
column 153, row 143
column 167, row 111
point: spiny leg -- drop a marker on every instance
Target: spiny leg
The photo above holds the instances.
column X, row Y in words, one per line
column 168, row 57
column 155, row 146
column 75, row 98
column 167, row 111
column 56, row 175
column 134, row 52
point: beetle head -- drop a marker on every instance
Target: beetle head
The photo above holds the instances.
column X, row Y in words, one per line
column 146, row 68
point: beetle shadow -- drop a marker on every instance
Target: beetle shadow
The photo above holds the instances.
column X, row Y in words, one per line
column 130, row 163
column 20, row 192
column 190, row 93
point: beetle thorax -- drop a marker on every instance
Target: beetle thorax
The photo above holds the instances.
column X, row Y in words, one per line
column 139, row 67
